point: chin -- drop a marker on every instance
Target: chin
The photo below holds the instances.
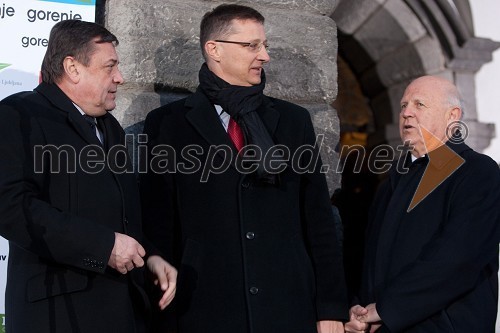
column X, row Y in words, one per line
column 408, row 139
column 109, row 107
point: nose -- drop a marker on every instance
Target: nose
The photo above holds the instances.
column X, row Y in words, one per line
column 118, row 77
column 407, row 112
column 263, row 55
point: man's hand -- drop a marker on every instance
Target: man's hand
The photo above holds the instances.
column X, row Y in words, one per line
column 330, row 326
column 371, row 315
column 355, row 325
column 127, row 254
column 165, row 276
column 363, row 319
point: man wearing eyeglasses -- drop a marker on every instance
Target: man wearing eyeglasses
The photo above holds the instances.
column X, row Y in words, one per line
column 253, row 238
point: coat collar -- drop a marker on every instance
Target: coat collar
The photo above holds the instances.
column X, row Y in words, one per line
column 439, row 164
column 202, row 115
column 62, row 102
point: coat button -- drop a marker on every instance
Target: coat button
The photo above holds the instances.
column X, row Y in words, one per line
column 125, row 220
column 245, row 185
column 250, row 235
column 254, row 290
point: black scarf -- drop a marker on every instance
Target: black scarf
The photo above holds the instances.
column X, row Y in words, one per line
column 241, row 104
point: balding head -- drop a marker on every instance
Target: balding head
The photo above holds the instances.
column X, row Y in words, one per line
column 428, row 107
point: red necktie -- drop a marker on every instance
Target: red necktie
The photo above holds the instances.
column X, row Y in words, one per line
column 236, row 134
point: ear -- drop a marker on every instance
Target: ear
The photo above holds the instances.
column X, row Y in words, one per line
column 212, row 50
column 70, row 66
column 455, row 114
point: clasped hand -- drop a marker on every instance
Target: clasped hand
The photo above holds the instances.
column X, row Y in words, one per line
column 363, row 319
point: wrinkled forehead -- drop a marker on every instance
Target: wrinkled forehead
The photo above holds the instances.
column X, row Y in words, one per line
column 425, row 88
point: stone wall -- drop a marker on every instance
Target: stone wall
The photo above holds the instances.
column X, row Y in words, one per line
column 160, row 58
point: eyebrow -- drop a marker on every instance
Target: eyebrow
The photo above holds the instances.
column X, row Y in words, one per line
column 258, row 40
column 112, row 61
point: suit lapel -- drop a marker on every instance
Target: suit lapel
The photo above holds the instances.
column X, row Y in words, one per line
column 55, row 95
column 203, row 117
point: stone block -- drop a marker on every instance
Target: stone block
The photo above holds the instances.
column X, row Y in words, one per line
column 317, row 7
column 303, row 55
column 479, row 134
column 389, row 28
column 133, row 102
column 159, row 41
column 350, row 15
column 409, row 62
column 326, row 125
column 466, row 85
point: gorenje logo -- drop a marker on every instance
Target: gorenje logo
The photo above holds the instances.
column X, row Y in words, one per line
column 73, row 2
column 3, row 65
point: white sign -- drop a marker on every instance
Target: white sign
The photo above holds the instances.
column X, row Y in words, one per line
column 25, row 27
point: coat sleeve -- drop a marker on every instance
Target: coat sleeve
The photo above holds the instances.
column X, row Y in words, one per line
column 159, row 213
column 451, row 264
column 28, row 220
column 317, row 214
column 157, row 190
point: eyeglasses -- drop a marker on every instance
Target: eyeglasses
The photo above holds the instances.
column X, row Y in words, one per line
column 252, row 46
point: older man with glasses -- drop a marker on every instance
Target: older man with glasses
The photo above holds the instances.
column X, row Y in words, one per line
column 250, row 228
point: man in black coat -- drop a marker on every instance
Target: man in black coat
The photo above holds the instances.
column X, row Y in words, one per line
column 255, row 240
column 432, row 243
column 69, row 204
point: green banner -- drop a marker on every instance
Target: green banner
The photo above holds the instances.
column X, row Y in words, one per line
column 2, row 323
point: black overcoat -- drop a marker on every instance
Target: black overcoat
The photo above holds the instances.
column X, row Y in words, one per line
column 252, row 257
column 434, row 268
column 59, row 213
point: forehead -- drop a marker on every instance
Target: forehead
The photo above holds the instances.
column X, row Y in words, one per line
column 422, row 90
column 247, row 27
column 104, row 52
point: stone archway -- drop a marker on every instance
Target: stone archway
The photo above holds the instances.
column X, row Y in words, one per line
column 388, row 43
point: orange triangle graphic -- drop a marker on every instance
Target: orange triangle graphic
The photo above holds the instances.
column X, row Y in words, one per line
column 443, row 162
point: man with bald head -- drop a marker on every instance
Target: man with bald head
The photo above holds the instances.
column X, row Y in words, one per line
column 431, row 258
